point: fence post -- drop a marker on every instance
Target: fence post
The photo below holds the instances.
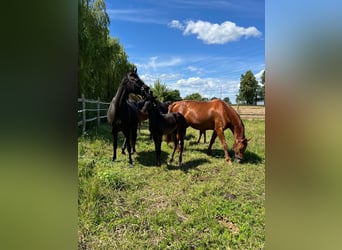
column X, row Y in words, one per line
column 98, row 111
column 84, row 114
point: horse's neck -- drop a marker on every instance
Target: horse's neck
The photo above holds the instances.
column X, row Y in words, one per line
column 120, row 96
column 238, row 128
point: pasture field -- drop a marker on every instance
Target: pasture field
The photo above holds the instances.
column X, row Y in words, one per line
column 204, row 204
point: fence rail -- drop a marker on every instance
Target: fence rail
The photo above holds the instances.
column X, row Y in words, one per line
column 246, row 112
column 84, row 111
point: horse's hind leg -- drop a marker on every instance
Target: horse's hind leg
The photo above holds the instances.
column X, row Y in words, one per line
column 212, row 140
column 123, row 147
column 115, row 143
column 175, row 142
column 134, row 139
column 181, row 150
column 202, row 132
column 128, row 145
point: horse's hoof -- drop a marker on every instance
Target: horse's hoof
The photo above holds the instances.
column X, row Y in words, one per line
column 229, row 162
column 130, row 165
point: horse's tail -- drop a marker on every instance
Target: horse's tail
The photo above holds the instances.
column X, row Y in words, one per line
column 110, row 113
column 168, row 138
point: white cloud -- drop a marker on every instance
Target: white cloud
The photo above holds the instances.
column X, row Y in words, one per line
column 176, row 24
column 154, row 63
column 258, row 75
column 206, row 87
column 213, row 33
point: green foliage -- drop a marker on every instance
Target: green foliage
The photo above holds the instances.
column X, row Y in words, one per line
column 194, row 97
column 205, row 204
column 227, row 100
column 102, row 61
column 172, row 95
column 159, row 90
column 248, row 89
column 163, row 93
column 261, row 89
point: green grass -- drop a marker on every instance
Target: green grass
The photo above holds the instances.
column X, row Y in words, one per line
column 204, row 204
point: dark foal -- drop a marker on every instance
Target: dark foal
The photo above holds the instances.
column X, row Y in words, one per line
column 170, row 124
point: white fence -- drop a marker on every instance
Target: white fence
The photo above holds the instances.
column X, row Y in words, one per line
column 97, row 116
column 248, row 112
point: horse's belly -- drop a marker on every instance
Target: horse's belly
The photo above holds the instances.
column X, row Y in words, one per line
column 202, row 125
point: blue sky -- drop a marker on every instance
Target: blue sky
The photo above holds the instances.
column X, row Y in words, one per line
column 193, row 46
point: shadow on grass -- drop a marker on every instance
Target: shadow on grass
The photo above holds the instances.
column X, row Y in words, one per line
column 148, row 158
column 249, row 157
column 187, row 165
column 252, row 158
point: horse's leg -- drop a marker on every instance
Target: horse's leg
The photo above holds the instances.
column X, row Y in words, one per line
column 199, row 137
column 123, row 147
column 181, row 139
column 175, row 146
column 157, row 144
column 134, row 138
column 128, row 145
column 205, row 137
column 220, row 134
column 212, row 140
column 115, row 142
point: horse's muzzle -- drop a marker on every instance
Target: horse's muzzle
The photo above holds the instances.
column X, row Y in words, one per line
column 238, row 159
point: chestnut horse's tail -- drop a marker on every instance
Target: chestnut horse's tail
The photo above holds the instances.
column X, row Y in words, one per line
column 181, row 128
column 168, row 138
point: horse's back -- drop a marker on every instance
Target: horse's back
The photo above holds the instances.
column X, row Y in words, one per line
column 205, row 115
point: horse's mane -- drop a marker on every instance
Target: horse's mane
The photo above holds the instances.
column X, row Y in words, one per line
column 239, row 126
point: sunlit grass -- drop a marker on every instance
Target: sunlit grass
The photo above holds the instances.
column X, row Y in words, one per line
column 203, row 204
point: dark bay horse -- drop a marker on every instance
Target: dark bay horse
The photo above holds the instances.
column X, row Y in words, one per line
column 163, row 108
column 122, row 114
column 218, row 116
column 171, row 124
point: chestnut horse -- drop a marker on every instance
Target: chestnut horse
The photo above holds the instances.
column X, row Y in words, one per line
column 218, row 116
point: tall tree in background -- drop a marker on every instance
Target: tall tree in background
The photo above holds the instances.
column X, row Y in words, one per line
column 159, row 90
column 102, row 61
column 163, row 93
column 248, row 89
column 262, row 88
column 227, row 100
column 172, row 95
column 194, row 97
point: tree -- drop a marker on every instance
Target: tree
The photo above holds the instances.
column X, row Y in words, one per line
column 248, row 89
column 159, row 90
column 102, row 61
column 172, row 95
column 262, row 88
column 194, row 97
column 227, row 100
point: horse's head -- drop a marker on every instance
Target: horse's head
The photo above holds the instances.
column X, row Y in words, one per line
column 136, row 85
column 149, row 104
column 239, row 148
